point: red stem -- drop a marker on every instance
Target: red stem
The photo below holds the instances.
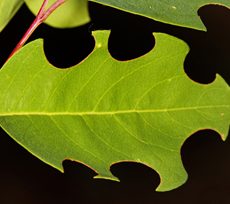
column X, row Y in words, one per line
column 42, row 15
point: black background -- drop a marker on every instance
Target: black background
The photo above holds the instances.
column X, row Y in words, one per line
column 26, row 180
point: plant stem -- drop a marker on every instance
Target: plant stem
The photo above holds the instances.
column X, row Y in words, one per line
column 42, row 15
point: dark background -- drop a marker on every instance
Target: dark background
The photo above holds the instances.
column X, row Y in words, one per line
column 26, row 180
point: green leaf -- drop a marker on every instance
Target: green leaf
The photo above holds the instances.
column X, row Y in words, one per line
column 7, row 10
column 104, row 111
column 72, row 13
column 175, row 12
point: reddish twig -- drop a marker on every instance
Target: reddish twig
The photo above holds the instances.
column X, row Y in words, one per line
column 42, row 15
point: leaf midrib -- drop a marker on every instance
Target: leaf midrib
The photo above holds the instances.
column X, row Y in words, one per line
column 114, row 112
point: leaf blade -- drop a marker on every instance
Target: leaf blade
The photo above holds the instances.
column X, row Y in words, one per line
column 175, row 12
column 103, row 111
column 7, row 11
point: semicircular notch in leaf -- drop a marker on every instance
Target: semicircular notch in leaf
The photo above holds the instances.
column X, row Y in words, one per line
column 71, row 14
column 7, row 11
column 104, row 111
column 176, row 12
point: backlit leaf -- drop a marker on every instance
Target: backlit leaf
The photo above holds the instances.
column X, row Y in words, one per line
column 7, row 10
column 104, row 111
